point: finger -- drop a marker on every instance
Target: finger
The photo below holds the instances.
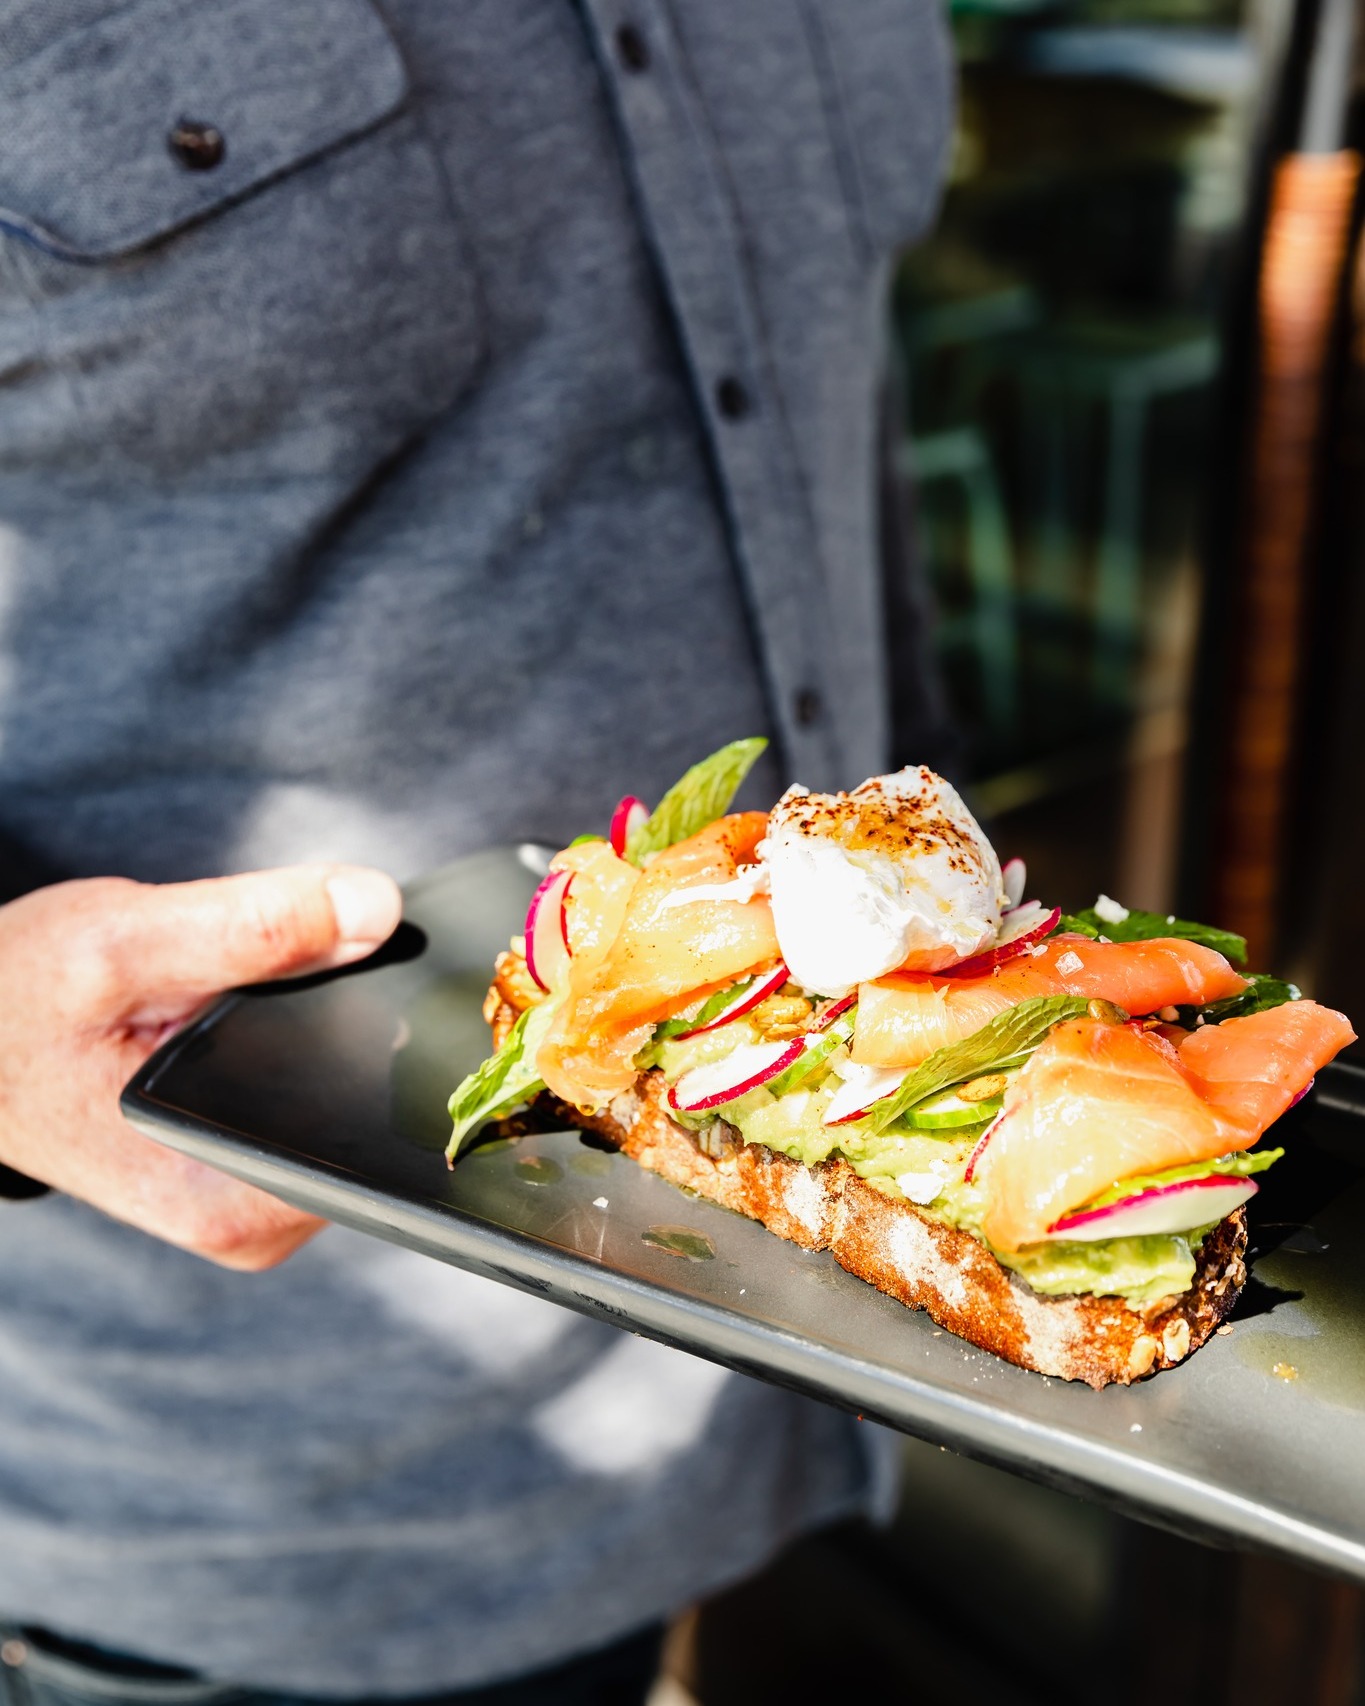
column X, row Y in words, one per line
column 171, row 945
column 81, row 1145
column 186, row 1203
column 232, row 1224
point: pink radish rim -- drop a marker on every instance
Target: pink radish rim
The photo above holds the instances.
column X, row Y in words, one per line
column 719, row 1098
column 973, row 1160
column 742, row 1004
column 863, row 1112
column 627, row 817
column 1155, row 1193
column 834, row 1011
column 538, row 899
column 990, row 958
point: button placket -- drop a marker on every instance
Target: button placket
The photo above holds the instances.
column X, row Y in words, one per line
column 809, row 706
column 732, row 397
column 631, row 47
column 197, row 145
column 682, row 189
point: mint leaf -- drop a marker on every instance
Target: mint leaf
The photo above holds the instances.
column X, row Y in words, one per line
column 1010, row 1036
column 1142, row 926
column 1264, row 992
column 710, row 1008
column 503, row 1082
column 1240, row 1166
column 703, row 795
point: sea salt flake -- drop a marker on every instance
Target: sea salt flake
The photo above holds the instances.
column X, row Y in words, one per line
column 921, row 1187
column 599, row 1202
column 1069, row 962
column 1110, row 910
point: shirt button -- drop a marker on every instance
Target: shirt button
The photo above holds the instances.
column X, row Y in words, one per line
column 13, row 1653
column 198, row 147
column 632, row 48
column 809, row 706
column 732, row 398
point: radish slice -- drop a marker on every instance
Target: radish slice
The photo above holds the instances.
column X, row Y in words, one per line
column 1025, row 921
column 547, row 930
column 835, row 1010
column 625, row 820
column 1014, row 875
column 1163, row 1208
column 862, row 1088
column 1020, row 928
column 725, row 1080
column 974, row 1159
column 1302, row 1093
column 745, row 1002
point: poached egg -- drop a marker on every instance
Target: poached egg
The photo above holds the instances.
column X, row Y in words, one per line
column 897, row 873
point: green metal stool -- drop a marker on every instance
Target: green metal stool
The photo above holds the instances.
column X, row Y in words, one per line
column 1121, row 370
column 961, row 457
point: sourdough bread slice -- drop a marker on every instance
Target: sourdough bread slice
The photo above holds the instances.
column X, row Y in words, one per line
column 906, row 1252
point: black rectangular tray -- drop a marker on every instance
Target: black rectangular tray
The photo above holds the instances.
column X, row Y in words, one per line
column 331, row 1093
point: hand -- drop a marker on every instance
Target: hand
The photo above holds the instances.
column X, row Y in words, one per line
column 94, row 974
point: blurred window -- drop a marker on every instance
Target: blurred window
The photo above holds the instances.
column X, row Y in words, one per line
column 1060, row 339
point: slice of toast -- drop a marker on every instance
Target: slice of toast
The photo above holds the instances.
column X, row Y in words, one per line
column 907, row 1253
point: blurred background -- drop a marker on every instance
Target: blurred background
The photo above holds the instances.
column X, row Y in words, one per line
column 1131, row 365
column 1102, row 413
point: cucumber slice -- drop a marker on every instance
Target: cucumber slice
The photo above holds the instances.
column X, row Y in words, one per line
column 943, row 1112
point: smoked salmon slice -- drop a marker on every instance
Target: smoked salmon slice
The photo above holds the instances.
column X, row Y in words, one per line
column 1095, row 1104
column 1250, row 1070
column 595, row 907
column 905, row 1017
column 1098, row 1103
column 666, row 953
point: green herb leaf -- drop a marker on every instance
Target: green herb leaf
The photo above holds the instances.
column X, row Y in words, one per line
column 505, row 1080
column 1142, row 926
column 579, row 840
column 1010, row 1036
column 1240, row 1166
column 710, row 1008
column 1263, row 993
column 703, row 795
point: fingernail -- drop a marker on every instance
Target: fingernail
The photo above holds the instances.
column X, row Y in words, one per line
column 366, row 905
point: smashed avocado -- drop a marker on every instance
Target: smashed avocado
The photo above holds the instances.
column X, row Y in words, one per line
column 1139, row 1270
column 676, row 1055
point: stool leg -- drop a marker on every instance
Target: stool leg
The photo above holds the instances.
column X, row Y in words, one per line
column 1046, row 424
column 1118, row 602
column 992, row 560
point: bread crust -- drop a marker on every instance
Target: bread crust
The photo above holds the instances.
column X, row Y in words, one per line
column 924, row 1262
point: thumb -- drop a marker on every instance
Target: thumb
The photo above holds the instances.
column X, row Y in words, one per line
column 180, row 942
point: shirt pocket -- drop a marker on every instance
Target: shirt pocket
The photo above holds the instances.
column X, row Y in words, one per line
column 888, row 69
column 223, row 234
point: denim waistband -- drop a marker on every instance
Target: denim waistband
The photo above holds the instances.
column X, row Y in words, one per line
column 34, row 1673
column 37, row 1669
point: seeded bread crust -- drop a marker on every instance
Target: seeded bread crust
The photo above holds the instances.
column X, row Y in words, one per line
column 923, row 1262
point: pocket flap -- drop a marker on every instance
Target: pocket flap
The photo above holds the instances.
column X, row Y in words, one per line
column 87, row 164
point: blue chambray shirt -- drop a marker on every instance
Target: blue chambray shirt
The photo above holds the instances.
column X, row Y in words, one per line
column 475, row 422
